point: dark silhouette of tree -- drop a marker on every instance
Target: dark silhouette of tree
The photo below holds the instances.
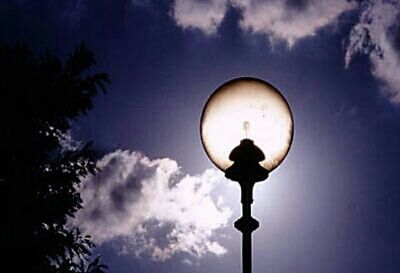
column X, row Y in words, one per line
column 39, row 96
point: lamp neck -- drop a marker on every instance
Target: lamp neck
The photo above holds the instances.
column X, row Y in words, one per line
column 247, row 192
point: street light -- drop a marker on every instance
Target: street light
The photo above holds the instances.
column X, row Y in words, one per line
column 246, row 129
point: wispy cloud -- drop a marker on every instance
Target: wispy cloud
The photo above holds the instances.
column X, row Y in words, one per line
column 203, row 15
column 291, row 20
column 286, row 21
column 151, row 208
column 377, row 34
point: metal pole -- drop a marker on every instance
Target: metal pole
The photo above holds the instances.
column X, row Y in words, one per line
column 246, row 225
column 246, row 242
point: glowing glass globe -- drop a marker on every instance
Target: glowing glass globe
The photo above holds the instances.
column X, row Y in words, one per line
column 246, row 108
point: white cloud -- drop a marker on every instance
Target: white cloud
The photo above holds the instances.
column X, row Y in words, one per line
column 151, row 208
column 375, row 35
column 205, row 15
column 280, row 20
column 291, row 20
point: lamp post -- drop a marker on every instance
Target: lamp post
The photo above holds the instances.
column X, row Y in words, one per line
column 246, row 129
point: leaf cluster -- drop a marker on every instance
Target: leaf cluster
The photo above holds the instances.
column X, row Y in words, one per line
column 39, row 96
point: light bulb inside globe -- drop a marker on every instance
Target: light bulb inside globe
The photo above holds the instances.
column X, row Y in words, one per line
column 246, row 108
column 246, row 128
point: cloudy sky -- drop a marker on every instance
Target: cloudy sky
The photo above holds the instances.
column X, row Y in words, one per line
column 159, row 205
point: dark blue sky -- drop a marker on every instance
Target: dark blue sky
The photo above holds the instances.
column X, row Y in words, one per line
column 333, row 205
